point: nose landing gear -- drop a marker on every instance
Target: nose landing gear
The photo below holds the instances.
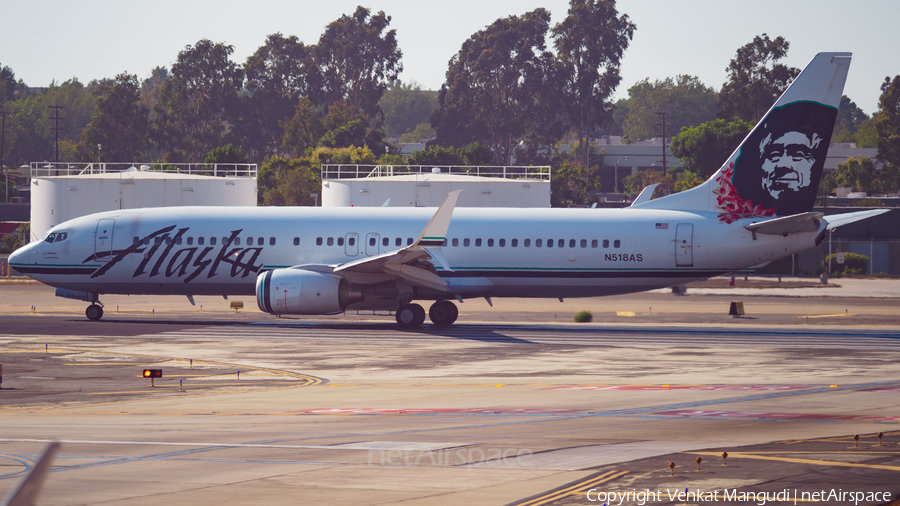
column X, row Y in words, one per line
column 94, row 312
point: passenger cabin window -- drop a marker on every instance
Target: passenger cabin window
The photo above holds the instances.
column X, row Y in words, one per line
column 271, row 241
column 340, row 241
column 617, row 243
column 385, row 242
column 249, row 241
column 330, row 241
column 537, row 243
column 478, row 242
column 212, row 241
column 561, row 243
column 135, row 242
column 455, row 242
column 200, row 241
column 501, row 243
column 514, row 243
column 190, row 241
column 351, row 241
column 605, row 243
column 237, row 241
column 594, row 243
column 571, row 243
column 262, row 240
column 178, row 241
column 584, row 243
column 296, row 241
column 527, row 243
column 490, row 243
column 372, row 241
column 466, row 242
column 398, row 242
column 549, row 243
column 157, row 241
column 318, row 241
column 409, row 241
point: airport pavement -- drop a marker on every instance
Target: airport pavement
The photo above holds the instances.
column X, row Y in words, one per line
column 491, row 411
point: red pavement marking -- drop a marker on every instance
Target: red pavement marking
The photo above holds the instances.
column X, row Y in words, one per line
column 770, row 416
column 356, row 411
column 690, row 387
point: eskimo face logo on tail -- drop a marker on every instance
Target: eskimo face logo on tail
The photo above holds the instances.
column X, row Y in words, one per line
column 187, row 263
column 780, row 163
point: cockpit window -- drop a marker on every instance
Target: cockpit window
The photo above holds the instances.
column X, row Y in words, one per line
column 56, row 237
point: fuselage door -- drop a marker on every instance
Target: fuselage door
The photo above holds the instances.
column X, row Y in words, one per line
column 684, row 256
column 351, row 244
column 372, row 244
column 103, row 240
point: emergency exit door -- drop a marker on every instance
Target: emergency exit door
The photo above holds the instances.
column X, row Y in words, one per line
column 684, row 255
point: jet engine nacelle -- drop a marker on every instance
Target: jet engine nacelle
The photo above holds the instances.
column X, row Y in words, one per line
column 296, row 291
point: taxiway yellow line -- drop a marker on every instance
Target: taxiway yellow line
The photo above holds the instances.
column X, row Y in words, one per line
column 803, row 461
column 576, row 489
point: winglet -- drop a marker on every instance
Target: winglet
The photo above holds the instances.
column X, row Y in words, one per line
column 436, row 230
column 26, row 493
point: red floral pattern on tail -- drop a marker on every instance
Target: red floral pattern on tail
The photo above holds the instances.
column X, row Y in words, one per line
column 728, row 201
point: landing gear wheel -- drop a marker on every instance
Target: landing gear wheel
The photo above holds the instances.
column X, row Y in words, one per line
column 94, row 312
column 443, row 313
column 410, row 316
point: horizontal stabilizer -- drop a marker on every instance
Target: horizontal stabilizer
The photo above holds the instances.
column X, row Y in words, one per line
column 804, row 222
column 838, row 220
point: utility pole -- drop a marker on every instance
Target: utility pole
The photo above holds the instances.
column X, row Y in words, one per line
column 56, row 128
column 3, row 113
column 663, row 124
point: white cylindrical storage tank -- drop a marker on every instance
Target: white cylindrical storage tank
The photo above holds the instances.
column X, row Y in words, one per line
column 58, row 199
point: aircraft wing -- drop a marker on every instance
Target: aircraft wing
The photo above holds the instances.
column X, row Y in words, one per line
column 410, row 263
column 25, row 494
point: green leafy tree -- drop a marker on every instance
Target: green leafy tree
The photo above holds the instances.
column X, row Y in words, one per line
column 855, row 173
column 643, row 178
column 421, row 132
column 755, row 79
column 276, row 79
column 7, row 84
column 152, row 87
column 356, row 58
column 887, row 121
column 573, row 184
column 288, row 182
column 228, row 153
column 303, row 130
column 848, row 121
column 590, row 43
column 495, row 86
column 406, row 106
column 29, row 136
column 473, row 154
column 199, row 99
column 685, row 180
column 120, row 123
column 704, row 148
column 687, row 101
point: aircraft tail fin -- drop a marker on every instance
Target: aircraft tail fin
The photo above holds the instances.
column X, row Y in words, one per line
column 776, row 169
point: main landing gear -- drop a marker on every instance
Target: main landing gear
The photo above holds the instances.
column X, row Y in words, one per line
column 442, row 313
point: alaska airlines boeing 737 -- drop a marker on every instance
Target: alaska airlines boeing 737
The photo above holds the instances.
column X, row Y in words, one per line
column 312, row 260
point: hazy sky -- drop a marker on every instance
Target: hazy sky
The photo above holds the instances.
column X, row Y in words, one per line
column 92, row 39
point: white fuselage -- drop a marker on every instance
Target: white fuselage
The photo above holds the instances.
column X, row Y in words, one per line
column 492, row 252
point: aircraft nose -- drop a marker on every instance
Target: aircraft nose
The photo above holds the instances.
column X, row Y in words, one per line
column 21, row 256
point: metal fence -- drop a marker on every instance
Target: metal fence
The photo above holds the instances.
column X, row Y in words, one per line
column 355, row 171
column 52, row 169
